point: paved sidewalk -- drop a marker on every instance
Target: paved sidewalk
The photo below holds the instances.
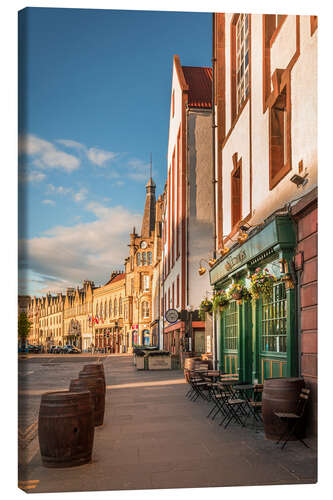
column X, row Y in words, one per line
column 155, row 438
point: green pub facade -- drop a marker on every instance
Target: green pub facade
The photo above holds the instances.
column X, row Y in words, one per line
column 257, row 339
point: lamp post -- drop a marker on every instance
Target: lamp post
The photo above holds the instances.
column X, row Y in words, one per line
column 189, row 330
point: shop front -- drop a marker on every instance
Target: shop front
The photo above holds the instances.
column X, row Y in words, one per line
column 256, row 338
column 73, row 336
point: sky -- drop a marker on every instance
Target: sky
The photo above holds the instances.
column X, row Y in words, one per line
column 94, row 102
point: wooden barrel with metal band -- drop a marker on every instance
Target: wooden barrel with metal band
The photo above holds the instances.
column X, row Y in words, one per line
column 66, row 428
column 96, row 369
column 281, row 395
column 96, row 386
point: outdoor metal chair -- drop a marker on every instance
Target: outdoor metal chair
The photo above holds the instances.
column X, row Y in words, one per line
column 293, row 420
column 198, row 385
column 256, row 403
column 235, row 407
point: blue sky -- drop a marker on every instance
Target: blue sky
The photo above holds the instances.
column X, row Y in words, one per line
column 94, row 92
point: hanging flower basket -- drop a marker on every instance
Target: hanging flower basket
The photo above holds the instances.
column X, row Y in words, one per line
column 239, row 292
column 262, row 283
column 220, row 301
column 205, row 307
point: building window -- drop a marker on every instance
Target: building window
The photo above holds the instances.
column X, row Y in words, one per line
column 146, row 282
column 144, row 258
column 115, row 307
column 274, row 321
column 126, row 311
column 236, row 191
column 313, row 24
column 177, row 291
column 149, row 255
column 231, row 327
column 279, row 131
column 240, row 61
column 110, row 308
column 138, row 259
column 120, row 306
column 145, row 310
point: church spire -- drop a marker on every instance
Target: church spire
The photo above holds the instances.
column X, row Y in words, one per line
column 148, row 221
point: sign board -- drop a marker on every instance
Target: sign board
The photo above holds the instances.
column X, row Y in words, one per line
column 209, row 344
column 172, row 315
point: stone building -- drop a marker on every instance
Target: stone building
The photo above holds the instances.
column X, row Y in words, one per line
column 188, row 222
column 139, row 273
column 108, row 315
column 78, row 307
column 51, row 320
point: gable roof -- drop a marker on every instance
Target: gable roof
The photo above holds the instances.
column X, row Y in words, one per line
column 199, row 81
column 115, row 278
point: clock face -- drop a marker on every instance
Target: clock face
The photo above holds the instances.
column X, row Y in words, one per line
column 143, row 244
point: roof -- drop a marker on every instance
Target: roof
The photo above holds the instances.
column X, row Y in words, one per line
column 199, row 81
column 117, row 277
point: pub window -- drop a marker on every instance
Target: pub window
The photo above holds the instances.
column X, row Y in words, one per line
column 236, row 191
column 242, row 59
column 231, row 327
column 274, row 321
column 279, row 137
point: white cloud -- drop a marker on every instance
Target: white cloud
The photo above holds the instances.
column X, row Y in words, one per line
column 68, row 143
column 32, row 176
column 45, row 155
column 81, row 195
column 138, row 170
column 84, row 251
column 58, row 189
column 100, row 156
column 48, row 202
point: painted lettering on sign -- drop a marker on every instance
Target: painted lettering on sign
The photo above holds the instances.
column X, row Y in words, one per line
column 232, row 262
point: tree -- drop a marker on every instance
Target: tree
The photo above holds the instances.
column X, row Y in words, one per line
column 24, row 326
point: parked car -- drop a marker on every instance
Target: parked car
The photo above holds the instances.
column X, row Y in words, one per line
column 55, row 349
column 73, row 350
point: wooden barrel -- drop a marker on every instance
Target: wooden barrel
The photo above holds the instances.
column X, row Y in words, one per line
column 95, row 385
column 279, row 394
column 66, row 428
column 96, row 369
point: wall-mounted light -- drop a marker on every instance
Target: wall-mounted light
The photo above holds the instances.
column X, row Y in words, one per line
column 202, row 269
column 299, row 180
column 224, row 250
column 242, row 237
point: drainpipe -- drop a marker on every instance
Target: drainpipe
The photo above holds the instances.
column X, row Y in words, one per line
column 214, row 126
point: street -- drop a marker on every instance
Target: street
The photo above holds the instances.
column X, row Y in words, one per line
column 152, row 437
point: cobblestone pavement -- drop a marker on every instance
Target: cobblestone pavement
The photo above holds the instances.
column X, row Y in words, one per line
column 153, row 437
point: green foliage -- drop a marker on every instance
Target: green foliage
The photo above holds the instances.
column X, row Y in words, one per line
column 239, row 292
column 220, row 300
column 24, row 326
column 262, row 283
column 205, row 306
